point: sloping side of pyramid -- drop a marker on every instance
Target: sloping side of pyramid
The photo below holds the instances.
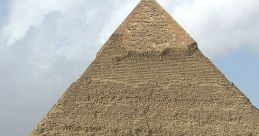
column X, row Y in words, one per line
column 151, row 79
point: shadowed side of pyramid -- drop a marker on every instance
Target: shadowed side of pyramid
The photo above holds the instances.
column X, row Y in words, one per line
column 150, row 78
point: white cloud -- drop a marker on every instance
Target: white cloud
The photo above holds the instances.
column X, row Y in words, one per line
column 118, row 16
column 43, row 50
column 46, row 44
column 220, row 27
column 25, row 13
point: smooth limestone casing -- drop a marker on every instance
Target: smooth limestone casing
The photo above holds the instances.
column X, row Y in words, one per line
column 151, row 79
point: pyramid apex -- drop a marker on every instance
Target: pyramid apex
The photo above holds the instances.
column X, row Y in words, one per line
column 166, row 92
column 147, row 0
column 150, row 27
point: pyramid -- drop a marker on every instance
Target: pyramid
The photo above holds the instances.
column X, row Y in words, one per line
column 150, row 78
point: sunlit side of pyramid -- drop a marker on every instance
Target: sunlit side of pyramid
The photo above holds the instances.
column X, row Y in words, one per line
column 150, row 78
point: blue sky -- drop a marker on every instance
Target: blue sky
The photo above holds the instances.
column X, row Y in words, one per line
column 242, row 68
column 3, row 10
column 3, row 7
column 45, row 45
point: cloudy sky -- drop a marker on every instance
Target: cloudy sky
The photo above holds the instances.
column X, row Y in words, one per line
column 45, row 45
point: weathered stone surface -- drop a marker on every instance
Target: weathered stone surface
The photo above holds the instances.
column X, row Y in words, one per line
column 149, row 28
column 151, row 79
